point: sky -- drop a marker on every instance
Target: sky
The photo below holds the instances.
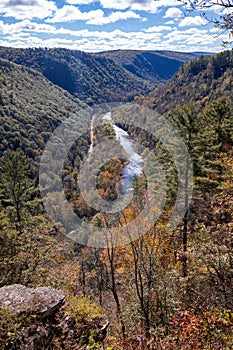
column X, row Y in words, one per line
column 92, row 26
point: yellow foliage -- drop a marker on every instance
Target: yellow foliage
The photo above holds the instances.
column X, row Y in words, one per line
column 82, row 309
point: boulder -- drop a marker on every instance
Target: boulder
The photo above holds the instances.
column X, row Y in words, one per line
column 43, row 301
column 34, row 319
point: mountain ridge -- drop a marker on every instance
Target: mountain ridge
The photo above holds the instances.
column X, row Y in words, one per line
column 91, row 78
column 155, row 66
column 116, row 76
column 199, row 81
column 31, row 107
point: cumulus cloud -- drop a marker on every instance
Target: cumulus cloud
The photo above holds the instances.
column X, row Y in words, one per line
column 140, row 5
column 173, row 12
column 26, row 29
column 114, row 17
column 154, row 6
column 156, row 29
column 71, row 13
column 26, row 26
column 123, row 4
column 114, row 4
column 1, row 26
column 27, row 9
column 96, row 17
column 193, row 21
column 192, row 39
column 189, row 36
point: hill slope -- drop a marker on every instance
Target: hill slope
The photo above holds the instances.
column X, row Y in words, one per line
column 28, row 116
column 200, row 81
column 154, row 66
column 91, row 78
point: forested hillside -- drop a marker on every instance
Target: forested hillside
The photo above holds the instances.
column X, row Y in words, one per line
column 31, row 108
column 154, row 66
column 166, row 289
column 199, row 81
column 91, row 78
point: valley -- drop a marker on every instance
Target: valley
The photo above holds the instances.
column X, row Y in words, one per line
column 145, row 142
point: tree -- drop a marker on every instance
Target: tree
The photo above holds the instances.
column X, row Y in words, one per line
column 16, row 186
column 111, row 253
column 215, row 244
column 186, row 119
column 219, row 113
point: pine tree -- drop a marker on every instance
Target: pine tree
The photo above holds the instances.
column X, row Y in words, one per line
column 16, row 186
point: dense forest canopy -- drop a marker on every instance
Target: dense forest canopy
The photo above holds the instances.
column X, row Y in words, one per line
column 92, row 78
column 200, row 81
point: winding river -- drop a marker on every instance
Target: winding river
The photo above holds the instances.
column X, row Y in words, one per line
column 135, row 165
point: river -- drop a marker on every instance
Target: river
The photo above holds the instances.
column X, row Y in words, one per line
column 135, row 161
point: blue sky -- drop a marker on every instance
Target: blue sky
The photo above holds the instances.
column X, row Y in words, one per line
column 102, row 25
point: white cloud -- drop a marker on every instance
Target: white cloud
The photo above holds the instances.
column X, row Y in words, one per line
column 114, row 4
column 156, row 29
column 192, row 21
column 153, row 6
column 218, row 9
column 123, row 4
column 114, row 17
column 26, row 26
column 136, row 5
column 173, row 12
column 71, row 13
column 1, row 26
column 215, row 30
column 96, row 17
column 27, row 9
column 80, row 2
column 25, row 31
column 192, row 39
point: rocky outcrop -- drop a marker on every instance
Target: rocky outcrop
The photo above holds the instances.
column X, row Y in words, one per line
column 29, row 317
column 34, row 319
column 43, row 301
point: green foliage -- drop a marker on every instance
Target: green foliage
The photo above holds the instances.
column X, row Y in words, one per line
column 92, row 344
column 219, row 116
column 17, row 189
column 27, row 246
column 25, row 257
column 10, row 326
column 28, row 116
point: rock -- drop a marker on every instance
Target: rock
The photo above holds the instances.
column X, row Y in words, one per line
column 34, row 319
column 42, row 301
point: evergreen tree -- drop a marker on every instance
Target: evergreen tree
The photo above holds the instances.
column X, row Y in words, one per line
column 16, row 186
